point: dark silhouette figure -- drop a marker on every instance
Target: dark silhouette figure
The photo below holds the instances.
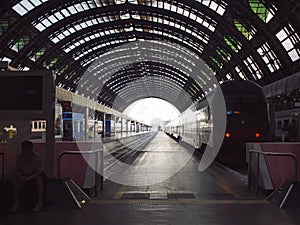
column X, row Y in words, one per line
column 28, row 168
column 293, row 130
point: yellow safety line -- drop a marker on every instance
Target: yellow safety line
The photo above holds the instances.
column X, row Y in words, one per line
column 121, row 191
column 227, row 189
column 178, row 202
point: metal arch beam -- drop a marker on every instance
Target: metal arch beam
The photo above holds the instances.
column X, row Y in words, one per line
column 120, row 24
column 82, row 70
column 136, row 78
column 113, row 59
column 149, row 9
column 265, row 33
column 212, row 17
column 91, row 55
column 151, row 12
column 174, row 14
column 107, row 91
column 110, row 94
column 204, row 55
column 77, row 66
column 161, row 69
column 249, row 48
column 101, row 8
column 77, row 17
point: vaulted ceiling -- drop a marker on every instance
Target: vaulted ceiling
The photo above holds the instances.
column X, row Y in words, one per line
column 119, row 51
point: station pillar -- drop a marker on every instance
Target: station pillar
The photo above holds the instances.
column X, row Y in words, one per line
column 86, row 127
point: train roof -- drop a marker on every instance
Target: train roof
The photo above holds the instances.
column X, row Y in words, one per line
column 237, row 86
column 240, row 85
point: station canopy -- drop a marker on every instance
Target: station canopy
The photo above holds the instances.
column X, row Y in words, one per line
column 116, row 52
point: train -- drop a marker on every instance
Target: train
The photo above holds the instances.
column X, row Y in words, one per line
column 247, row 120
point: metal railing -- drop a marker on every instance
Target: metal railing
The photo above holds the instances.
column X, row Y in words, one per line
column 276, row 154
column 96, row 152
column 2, row 170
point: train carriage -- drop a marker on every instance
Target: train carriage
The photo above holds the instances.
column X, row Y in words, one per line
column 247, row 121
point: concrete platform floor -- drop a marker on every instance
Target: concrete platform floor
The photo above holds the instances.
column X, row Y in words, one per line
column 213, row 197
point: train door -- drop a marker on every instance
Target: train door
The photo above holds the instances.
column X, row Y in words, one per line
column 197, row 136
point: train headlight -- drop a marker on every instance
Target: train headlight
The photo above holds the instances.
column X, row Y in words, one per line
column 227, row 135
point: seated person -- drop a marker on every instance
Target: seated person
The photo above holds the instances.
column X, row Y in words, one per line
column 28, row 168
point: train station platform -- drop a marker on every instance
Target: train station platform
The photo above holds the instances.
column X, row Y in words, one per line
column 157, row 189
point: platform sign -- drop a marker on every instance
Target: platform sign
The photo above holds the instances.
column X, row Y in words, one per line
column 27, row 96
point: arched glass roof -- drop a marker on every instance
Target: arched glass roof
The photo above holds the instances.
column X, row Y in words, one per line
column 119, row 51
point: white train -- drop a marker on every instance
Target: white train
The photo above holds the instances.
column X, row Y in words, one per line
column 246, row 116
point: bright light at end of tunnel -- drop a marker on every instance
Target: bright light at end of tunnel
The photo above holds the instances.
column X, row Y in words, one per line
column 152, row 109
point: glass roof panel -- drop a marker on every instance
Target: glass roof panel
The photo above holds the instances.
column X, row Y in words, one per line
column 289, row 40
column 248, row 33
column 25, row 6
column 218, row 6
column 240, row 72
column 37, row 55
column 259, row 8
column 3, row 26
column 20, row 9
column 216, row 61
column 269, row 57
column 224, row 54
column 21, row 43
column 232, row 43
column 253, row 68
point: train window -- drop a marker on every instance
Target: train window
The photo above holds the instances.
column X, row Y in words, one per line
column 233, row 104
column 251, row 105
column 243, row 105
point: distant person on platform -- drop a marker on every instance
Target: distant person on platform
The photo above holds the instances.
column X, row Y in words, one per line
column 28, row 168
column 293, row 130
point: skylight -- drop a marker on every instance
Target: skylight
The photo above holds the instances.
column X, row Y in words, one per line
column 289, row 40
column 259, row 8
column 38, row 54
column 216, row 61
column 269, row 57
column 224, row 54
column 248, row 33
column 3, row 26
column 254, row 68
column 232, row 43
column 215, row 5
column 47, row 20
column 21, row 43
column 240, row 72
column 25, row 6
